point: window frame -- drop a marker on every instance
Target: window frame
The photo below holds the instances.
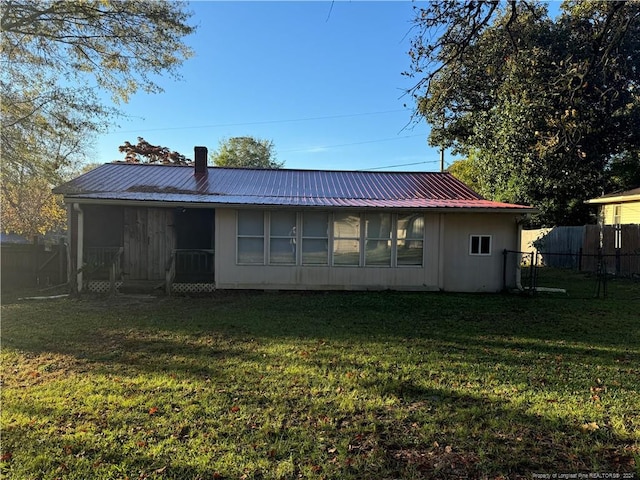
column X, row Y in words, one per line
column 397, row 239
column 294, row 240
column 364, row 219
column 362, row 239
column 359, row 238
column 480, row 252
column 302, row 237
column 240, row 236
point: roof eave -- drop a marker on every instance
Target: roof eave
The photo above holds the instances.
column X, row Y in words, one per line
column 523, row 210
column 616, row 199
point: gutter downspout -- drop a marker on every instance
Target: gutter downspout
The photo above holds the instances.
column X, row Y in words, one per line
column 80, row 245
column 519, row 255
column 441, row 252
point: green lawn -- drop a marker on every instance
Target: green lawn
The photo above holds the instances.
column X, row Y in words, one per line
column 321, row 385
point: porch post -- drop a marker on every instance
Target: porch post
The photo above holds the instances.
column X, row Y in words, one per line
column 80, row 245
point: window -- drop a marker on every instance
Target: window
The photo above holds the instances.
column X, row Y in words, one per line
column 315, row 238
column 480, row 245
column 617, row 217
column 283, row 238
column 378, row 239
column 410, row 231
column 250, row 237
column 346, row 239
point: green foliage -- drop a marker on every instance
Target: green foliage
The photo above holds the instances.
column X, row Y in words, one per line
column 544, row 104
column 246, row 152
column 55, row 57
column 467, row 172
column 144, row 152
column 302, row 385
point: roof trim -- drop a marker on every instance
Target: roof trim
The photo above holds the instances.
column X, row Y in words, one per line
column 175, row 204
column 614, row 199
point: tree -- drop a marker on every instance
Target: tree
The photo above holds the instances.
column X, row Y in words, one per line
column 30, row 209
column 246, row 152
column 545, row 105
column 55, row 57
column 144, row 152
column 466, row 171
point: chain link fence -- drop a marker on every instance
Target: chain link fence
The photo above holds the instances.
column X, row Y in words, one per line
column 578, row 275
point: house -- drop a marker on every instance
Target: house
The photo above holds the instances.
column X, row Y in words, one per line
column 619, row 208
column 198, row 228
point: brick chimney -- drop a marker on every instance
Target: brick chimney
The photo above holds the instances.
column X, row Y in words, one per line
column 200, row 154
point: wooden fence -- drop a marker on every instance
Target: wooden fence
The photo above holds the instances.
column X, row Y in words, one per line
column 32, row 265
column 580, row 247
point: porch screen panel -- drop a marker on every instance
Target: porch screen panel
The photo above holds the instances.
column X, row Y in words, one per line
column 410, row 239
column 282, row 238
column 378, row 239
column 250, row 237
column 346, row 239
column 315, row 238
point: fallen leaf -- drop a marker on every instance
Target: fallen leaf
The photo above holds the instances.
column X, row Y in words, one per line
column 6, row 456
column 160, row 470
column 153, row 410
column 590, row 427
column 235, row 409
column 448, row 449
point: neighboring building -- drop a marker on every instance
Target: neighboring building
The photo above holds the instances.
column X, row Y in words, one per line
column 620, row 208
column 226, row 228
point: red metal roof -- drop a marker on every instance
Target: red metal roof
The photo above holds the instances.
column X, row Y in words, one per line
column 127, row 182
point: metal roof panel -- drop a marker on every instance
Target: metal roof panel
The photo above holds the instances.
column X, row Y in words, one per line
column 280, row 187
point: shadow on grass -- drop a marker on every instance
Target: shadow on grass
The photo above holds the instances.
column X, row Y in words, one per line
column 403, row 342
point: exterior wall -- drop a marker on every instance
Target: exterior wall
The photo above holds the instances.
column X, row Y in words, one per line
column 447, row 263
column 232, row 276
column 463, row 272
column 629, row 213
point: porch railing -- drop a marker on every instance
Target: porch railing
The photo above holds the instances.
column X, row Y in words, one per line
column 101, row 262
column 190, row 266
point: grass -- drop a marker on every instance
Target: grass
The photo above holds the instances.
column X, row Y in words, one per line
column 321, row 385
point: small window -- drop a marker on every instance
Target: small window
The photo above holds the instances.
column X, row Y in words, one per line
column 480, row 245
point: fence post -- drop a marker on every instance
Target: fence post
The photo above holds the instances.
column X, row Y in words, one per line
column 580, row 260
column 504, row 269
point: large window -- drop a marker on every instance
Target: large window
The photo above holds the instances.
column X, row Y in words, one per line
column 283, row 238
column 346, row 239
column 315, row 238
column 378, row 239
column 410, row 231
column 250, row 237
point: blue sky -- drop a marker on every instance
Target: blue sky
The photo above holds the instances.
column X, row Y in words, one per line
column 323, row 81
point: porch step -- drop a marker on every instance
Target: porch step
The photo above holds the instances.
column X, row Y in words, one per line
column 142, row 286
